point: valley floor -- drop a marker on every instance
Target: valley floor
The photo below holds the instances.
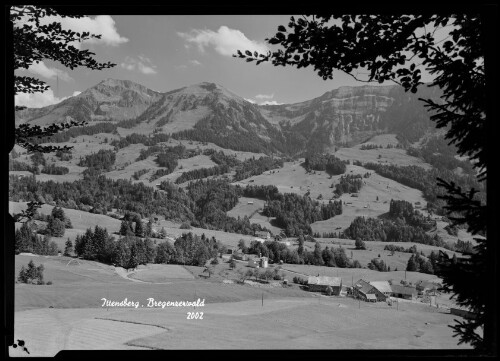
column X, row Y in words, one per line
column 299, row 323
column 70, row 314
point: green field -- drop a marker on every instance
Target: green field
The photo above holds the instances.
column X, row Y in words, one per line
column 235, row 316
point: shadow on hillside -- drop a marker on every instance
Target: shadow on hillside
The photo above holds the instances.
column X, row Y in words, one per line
column 385, row 215
column 273, row 223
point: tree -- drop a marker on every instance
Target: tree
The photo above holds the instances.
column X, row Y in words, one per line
column 411, row 265
column 34, row 41
column 232, row 263
column 268, row 274
column 359, row 244
column 150, row 251
column 163, row 232
column 242, row 275
column 379, row 45
column 55, row 227
column 58, row 213
column 300, row 249
column 53, row 249
column 31, row 274
column 210, row 269
column 254, row 273
column 126, row 228
column 133, row 261
column 318, row 259
column 38, row 159
column 139, row 228
column 148, row 232
column 165, row 253
column 121, row 253
column 242, row 246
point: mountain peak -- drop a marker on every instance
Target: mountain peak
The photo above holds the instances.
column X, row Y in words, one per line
column 114, row 82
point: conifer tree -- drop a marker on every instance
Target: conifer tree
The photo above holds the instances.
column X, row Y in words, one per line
column 133, row 260
column 150, row 250
column 68, row 248
column 411, row 265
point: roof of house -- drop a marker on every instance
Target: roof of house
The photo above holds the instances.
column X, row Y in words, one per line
column 363, row 286
column 382, row 286
column 404, row 290
column 259, row 239
column 324, row 281
column 428, row 285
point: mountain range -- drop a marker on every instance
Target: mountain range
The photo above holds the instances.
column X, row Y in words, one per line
column 209, row 112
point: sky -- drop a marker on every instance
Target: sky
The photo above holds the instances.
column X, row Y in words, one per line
column 167, row 52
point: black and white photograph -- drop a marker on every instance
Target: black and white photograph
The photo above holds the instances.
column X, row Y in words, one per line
column 238, row 180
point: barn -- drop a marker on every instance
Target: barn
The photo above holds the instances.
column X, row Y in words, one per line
column 321, row 283
column 405, row 292
column 367, row 292
column 383, row 286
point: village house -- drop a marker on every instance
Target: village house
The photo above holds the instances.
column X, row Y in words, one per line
column 253, row 262
column 426, row 286
column 405, row 292
column 260, row 240
column 321, row 283
column 383, row 286
column 240, row 255
column 263, row 234
column 261, row 262
column 367, row 292
column 264, row 261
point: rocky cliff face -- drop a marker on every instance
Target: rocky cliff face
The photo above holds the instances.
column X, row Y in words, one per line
column 349, row 114
column 337, row 115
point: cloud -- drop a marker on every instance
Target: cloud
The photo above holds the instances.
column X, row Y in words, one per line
column 264, row 96
column 103, row 25
column 260, row 101
column 39, row 100
column 274, row 102
column 195, row 62
column 142, row 64
column 225, row 41
column 41, row 69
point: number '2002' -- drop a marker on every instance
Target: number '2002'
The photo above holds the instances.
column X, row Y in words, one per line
column 195, row 315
